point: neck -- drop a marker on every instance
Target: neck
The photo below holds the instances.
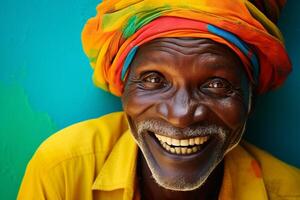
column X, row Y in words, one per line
column 151, row 190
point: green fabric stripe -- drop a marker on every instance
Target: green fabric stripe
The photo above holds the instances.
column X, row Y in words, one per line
column 138, row 21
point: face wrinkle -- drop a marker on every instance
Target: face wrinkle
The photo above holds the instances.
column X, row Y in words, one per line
column 181, row 184
column 192, row 47
column 227, row 141
column 209, row 130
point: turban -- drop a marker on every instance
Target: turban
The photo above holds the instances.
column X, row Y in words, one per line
column 112, row 37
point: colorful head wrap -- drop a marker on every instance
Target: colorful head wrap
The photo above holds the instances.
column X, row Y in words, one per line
column 112, row 37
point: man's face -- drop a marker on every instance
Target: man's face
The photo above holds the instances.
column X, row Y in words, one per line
column 187, row 104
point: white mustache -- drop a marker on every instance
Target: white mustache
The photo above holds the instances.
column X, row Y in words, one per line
column 168, row 130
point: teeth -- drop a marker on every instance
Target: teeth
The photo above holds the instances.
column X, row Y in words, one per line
column 184, row 150
column 184, row 142
column 168, row 147
column 169, row 141
column 195, row 149
column 184, row 146
column 192, row 142
column 164, row 145
column 175, row 142
column 197, row 140
column 172, row 150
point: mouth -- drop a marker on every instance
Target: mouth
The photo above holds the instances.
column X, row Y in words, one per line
column 185, row 146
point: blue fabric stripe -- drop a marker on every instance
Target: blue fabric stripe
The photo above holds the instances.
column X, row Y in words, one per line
column 128, row 60
column 240, row 44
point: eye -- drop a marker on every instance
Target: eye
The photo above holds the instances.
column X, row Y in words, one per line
column 217, row 87
column 153, row 80
column 216, row 84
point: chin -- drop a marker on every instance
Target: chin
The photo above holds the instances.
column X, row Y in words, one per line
column 182, row 182
column 177, row 172
column 180, row 171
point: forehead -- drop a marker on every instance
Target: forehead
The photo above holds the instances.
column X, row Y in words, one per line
column 194, row 54
column 185, row 46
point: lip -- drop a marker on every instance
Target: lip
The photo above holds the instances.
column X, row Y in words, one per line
column 156, row 149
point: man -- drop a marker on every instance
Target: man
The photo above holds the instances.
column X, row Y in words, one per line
column 186, row 72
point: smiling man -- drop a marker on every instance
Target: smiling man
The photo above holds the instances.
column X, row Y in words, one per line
column 186, row 72
column 187, row 103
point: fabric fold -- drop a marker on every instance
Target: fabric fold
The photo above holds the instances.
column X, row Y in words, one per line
column 109, row 37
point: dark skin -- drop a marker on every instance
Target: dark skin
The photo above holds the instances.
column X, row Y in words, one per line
column 185, row 83
column 151, row 190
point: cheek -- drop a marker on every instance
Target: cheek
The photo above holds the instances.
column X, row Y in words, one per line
column 135, row 103
column 232, row 112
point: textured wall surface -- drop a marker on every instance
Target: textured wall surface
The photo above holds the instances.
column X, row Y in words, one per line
column 45, row 84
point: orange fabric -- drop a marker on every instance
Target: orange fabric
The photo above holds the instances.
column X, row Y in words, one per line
column 106, row 35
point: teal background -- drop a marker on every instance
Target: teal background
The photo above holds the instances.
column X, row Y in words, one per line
column 45, row 84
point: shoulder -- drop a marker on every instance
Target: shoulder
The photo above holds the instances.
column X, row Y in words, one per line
column 282, row 180
column 95, row 136
column 66, row 163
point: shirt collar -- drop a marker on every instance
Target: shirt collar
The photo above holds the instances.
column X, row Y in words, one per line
column 119, row 169
column 242, row 173
column 242, row 177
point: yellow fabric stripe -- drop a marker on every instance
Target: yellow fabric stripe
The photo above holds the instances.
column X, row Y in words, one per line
column 268, row 24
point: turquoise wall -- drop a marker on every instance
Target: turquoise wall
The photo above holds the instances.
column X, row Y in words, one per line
column 45, row 84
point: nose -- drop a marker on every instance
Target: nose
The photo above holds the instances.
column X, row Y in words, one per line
column 182, row 110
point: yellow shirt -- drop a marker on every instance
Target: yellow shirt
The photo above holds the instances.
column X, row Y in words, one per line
column 96, row 159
